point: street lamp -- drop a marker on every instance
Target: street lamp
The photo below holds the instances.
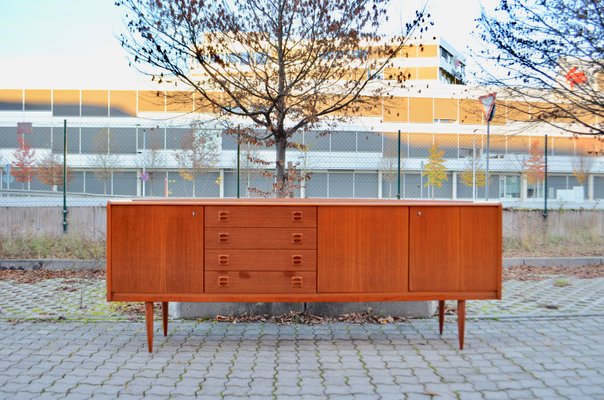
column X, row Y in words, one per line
column 488, row 107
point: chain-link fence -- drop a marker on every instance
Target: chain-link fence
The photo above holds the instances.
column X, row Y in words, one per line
column 172, row 159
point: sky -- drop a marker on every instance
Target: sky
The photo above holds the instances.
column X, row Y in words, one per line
column 72, row 44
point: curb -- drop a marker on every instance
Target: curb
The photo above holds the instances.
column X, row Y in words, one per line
column 552, row 261
column 68, row 264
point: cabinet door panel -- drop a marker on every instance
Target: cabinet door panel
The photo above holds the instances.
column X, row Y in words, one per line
column 481, row 248
column 454, row 249
column 156, row 249
column 434, row 249
column 362, row 249
column 137, row 249
column 184, row 249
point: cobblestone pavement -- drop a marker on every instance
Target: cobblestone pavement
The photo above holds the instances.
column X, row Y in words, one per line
column 544, row 340
column 522, row 358
column 85, row 298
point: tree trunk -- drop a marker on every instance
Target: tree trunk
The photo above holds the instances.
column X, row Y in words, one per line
column 281, row 177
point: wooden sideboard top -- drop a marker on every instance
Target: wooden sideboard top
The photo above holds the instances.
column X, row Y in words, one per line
column 300, row 201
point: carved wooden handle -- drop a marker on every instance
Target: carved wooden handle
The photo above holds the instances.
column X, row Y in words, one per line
column 296, row 260
column 223, row 238
column 223, row 216
column 297, row 281
column 297, row 216
column 296, row 238
column 223, row 281
column 223, row 259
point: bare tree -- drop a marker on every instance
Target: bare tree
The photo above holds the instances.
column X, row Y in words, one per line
column 153, row 158
column 549, row 54
column 199, row 152
column 102, row 161
column 585, row 154
column 283, row 66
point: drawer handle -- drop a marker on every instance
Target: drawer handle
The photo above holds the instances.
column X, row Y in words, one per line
column 223, row 259
column 296, row 238
column 297, row 281
column 223, row 281
column 297, row 216
column 223, row 238
column 297, row 260
column 223, row 216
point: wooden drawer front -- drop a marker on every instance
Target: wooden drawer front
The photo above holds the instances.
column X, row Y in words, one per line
column 261, row 216
column 261, row 238
column 261, row 260
column 261, row 282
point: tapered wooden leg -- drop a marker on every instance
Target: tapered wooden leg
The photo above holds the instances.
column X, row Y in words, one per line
column 149, row 321
column 441, row 315
column 164, row 316
column 461, row 321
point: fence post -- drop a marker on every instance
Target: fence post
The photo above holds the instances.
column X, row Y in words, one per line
column 64, row 176
column 545, row 183
column 398, row 170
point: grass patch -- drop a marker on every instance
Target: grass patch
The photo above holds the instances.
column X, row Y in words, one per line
column 50, row 246
column 561, row 282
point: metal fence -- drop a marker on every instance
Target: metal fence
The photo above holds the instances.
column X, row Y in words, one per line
column 139, row 158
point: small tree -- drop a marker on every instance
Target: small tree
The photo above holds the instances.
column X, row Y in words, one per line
column 50, row 171
column 534, row 166
column 23, row 165
column 199, row 151
column 153, row 158
column 473, row 173
column 102, row 161
column 435, row 170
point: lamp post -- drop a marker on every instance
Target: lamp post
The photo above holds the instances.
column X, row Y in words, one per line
column 488, row 106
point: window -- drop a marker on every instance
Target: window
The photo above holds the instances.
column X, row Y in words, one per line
column 509, row 187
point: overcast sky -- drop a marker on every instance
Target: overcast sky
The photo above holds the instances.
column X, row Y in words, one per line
column 72, row 43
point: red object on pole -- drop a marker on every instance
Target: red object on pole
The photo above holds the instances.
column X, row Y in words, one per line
column 575, row 77
column 23, row 128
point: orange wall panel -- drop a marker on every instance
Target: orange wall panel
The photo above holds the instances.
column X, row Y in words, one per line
column 516, row 111
column 202, row 105
column 396, row 109
column 445, row 109
column 11, row 100
column 95, row 98
column 123, row 103
column 420, row 110
column 470, row 111
column 181, row 102
column 369, row 106
column 427, row 50
column 66, row 97
column 399, row 74
column 95, row 102
column 37, row 100
column 427, row 73
column 151, row 101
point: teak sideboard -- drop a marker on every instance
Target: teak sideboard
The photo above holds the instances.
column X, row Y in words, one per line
column 299, row 250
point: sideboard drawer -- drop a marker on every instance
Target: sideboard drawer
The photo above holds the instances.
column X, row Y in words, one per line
column 261, row 216
column 261, row 238
column 289, row 282
column 261, row 260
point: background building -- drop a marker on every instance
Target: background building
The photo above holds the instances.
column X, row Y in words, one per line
column 132, row 143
